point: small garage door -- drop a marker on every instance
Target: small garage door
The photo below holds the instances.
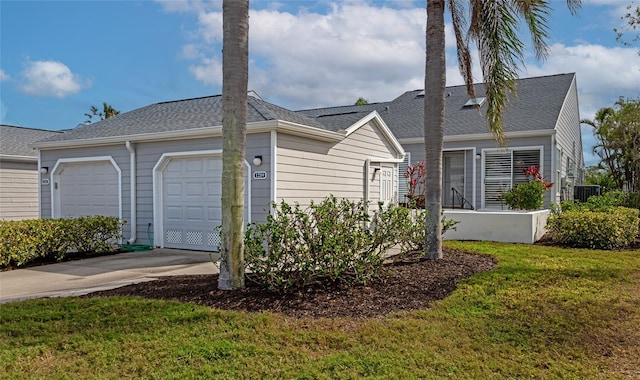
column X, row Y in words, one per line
column 88, row 188
column 192, row 203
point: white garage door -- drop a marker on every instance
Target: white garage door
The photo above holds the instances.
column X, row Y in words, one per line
column 88, row 188
column 192, row 202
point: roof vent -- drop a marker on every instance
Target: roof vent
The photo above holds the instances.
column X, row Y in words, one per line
column 475, row 102
column 421, row 93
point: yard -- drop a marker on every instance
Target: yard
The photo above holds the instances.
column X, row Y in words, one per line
column 544, row 312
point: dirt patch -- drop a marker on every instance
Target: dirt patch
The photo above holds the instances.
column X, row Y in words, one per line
column 406, row 286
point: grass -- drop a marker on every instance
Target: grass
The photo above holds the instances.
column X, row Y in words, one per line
column 545, row 312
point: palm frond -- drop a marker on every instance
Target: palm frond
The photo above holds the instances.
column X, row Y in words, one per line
column 462, row 43
column 534, row 13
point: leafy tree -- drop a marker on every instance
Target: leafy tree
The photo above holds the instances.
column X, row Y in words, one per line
column 597, row 175
column 493, row 25
column 235, row 73
column 617, row 131
column 632, row 20
column 361, row 101
column 107, row 112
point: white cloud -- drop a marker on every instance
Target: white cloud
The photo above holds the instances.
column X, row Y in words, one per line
column 50, row 78
column 4, row 76
column 310, row 59
column 209, row 71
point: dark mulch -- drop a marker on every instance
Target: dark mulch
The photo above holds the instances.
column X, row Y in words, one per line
column 406, row 286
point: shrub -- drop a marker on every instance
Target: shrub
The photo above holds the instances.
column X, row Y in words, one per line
column 416, row 184
column 412, row 234
column 578, row 226
column 334, row 241
column 528, row 195
column 525, row 196
column 24, row 241
column 615, row 198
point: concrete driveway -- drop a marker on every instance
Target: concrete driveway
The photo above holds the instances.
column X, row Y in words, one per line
column 80, row 277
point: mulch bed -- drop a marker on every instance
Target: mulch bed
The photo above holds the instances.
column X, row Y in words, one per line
column 409, row 285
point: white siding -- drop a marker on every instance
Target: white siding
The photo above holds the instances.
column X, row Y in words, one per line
column 311, row 170
column 18, row 190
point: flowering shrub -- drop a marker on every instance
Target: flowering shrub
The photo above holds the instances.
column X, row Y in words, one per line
column 528, row 195
column 416, row 181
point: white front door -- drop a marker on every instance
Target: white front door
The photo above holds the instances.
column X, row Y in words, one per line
column 386, row 185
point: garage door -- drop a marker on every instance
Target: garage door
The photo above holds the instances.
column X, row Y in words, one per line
column 192, row 203
column 88, row 188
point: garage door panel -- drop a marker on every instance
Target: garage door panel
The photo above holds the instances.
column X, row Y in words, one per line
column 194, row 214
column 88, row 188
column 192, row 199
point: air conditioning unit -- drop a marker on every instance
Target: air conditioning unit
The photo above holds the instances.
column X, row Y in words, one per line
column 582, row 193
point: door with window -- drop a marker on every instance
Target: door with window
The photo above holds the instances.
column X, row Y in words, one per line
column 452, row 179
column 502, row 171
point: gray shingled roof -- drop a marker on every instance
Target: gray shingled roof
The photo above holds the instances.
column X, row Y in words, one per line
column 179, row 115
column 536, row 107
column 14, row 141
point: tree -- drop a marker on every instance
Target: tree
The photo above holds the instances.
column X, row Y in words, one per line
column 632, row 23
column 493, row 25
column 361, row 101
column 235, row 73
column 107, row 112
column 617, row 131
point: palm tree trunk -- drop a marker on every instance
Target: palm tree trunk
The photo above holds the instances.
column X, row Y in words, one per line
column 435, row 82
column 235, row 73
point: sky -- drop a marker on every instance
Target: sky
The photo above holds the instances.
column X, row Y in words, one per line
column 58, row 58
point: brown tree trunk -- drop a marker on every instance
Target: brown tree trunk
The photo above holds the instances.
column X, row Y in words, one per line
column 235, row 73
column 435, row 82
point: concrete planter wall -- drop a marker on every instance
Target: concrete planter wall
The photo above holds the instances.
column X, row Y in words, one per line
column 504, row 226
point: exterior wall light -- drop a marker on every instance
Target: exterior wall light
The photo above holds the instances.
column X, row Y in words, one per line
column 44, row 170
column 478, row 156
column 257, row 160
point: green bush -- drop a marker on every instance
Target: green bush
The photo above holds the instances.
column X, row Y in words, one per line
column 615, row 198
column 24, row 241
column 604, row 228
column 411, row 228
column 525, row 196
column 334, row 241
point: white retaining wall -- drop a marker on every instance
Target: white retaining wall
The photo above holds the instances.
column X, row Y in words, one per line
column 503, row 226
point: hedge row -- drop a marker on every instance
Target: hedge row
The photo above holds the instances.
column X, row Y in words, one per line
column 24, row 241
column 594, row 226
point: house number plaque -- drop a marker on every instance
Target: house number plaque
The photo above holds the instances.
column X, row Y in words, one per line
column 260, row 175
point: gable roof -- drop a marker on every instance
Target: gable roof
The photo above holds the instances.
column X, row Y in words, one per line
column 14, row 141
column 536, row 107
column 179, row 115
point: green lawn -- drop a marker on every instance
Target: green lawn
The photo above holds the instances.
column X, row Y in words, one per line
column 544, row 313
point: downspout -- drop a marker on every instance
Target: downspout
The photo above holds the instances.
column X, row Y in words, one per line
column 132, row 169
column 367, row 167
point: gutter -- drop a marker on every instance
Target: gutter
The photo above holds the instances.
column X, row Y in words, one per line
column 132, row 161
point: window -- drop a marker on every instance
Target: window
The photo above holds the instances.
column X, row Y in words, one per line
column 503, row 170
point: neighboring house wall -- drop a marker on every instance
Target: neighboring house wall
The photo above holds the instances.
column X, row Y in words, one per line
column 311, row 170
column 569, row 142
column 18, row 190
column 474, row 188
column 147, row 156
